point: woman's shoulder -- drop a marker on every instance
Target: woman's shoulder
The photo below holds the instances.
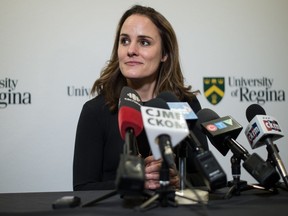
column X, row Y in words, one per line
column 99, row 99
column 96, row 104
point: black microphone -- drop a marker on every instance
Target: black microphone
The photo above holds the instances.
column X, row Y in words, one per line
column 130, row 179
column 222, row 133
column 204, row 160
column 263, row 130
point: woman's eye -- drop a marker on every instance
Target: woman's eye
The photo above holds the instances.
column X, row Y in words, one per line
column 145, row 43
column 124, row 41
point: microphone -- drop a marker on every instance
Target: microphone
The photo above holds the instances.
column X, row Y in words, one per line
column 263, row 130
column 129, row 115
column 205, row 162
column 261, row 126
column 164, row 128
column 222, row 133
column 130, row 177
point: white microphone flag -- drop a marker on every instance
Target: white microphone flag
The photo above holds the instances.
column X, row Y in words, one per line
column 260, row 127
column 158, row 121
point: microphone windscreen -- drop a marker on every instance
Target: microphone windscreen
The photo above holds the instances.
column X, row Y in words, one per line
column 129, row 118
column 129, row 115
column 168, row 96
column 253, row 110
column 205, row 115
column 157, row 103
column 129, row 97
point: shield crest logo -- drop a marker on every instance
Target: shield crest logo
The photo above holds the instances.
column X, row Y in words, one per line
column 214, row 89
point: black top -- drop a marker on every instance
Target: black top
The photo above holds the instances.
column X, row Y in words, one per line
column 98, row 146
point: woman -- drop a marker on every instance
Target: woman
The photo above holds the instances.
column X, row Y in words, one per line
column 145, row 57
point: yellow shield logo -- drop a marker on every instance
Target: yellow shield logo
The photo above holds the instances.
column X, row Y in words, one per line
column 214, row 89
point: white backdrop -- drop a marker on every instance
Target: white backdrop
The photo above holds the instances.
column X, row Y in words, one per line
column 51, row 51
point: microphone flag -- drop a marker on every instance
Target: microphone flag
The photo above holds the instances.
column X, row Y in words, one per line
column 158, row 121
column 220, row 127
column 184, row 108
column 260, row 127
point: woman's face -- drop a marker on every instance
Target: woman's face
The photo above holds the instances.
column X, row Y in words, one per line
column 139, row 50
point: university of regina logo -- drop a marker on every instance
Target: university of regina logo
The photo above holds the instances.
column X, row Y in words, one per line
column 214, row 89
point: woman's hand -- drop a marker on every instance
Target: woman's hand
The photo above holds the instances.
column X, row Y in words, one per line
column 152, row 175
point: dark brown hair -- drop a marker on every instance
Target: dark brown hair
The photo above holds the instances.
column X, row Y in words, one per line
column 170, row 77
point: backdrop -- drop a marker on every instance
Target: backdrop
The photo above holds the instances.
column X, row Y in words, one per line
column 53, row 50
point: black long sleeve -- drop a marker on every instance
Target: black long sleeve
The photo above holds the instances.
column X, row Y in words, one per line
column 98, row 146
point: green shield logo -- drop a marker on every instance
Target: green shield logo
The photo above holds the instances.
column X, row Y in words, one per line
column 214, row 89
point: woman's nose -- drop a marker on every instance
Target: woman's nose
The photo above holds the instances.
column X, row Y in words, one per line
column 132, row 50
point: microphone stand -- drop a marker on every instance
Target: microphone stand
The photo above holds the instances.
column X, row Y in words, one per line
column 130, row 149
column 182, row 152
column 165, row 196
column 276, row 161
column 237, row 185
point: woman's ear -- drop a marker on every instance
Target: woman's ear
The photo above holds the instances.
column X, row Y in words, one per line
column 164, row 58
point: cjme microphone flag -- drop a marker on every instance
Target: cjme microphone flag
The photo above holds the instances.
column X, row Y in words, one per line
column 158, row 121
